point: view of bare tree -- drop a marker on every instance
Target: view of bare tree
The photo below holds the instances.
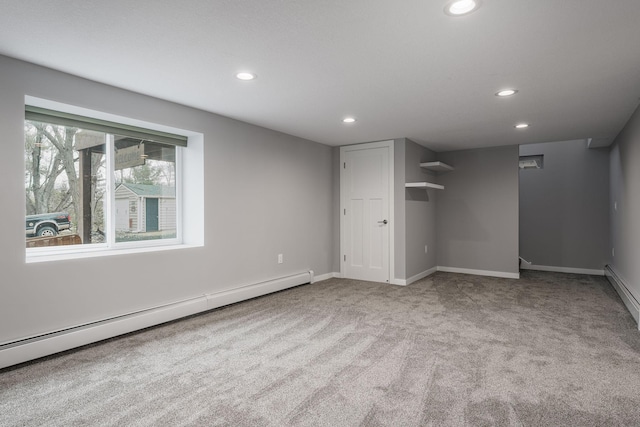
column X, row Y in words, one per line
column 52, row 177
column 48, row 155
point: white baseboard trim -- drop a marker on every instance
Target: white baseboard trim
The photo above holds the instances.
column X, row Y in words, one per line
column 31, row 348
column 220, row 299
column 410, row 280
column 398, row 282
column 501, row 274
column 36, row 347
column 562, row 269
column 627, row 297
column 326, row 276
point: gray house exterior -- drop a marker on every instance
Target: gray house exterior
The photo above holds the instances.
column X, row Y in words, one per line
column 144, row 208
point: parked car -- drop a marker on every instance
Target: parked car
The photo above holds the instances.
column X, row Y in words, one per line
column 47, row 224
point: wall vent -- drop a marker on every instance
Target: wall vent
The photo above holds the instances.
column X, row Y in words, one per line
column 532, row 162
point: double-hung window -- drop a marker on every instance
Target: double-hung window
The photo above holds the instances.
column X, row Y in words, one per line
column 93, row 184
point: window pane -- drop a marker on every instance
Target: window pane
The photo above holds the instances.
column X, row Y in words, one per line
column 145, row 190
column 65, row 185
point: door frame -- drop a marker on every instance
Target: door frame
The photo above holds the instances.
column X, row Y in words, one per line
column 390, row 144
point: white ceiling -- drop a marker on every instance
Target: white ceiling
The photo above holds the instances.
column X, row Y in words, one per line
column 402, row 68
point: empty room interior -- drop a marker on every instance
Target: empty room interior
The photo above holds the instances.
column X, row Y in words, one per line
column 266, row 213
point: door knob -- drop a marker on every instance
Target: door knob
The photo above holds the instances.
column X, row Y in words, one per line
column 384, row 221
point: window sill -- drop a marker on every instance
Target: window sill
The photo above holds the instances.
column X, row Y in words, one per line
column 101, row 252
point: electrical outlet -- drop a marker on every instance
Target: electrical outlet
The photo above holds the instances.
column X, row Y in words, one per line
column 280, row 259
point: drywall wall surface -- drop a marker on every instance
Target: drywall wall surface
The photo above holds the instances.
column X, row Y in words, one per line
column 477, row 212
column 564, row 207
column 265, row 193
column 420, row 212
column 624, row 204
column 399, row 230
column 335, row 199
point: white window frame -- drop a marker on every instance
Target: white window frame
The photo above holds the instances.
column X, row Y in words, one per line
column 187, row 208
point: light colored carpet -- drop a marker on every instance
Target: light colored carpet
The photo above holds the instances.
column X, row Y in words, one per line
column 548, row 349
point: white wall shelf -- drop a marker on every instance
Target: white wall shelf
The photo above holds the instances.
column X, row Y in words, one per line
column 424, row 185
column 436, row 166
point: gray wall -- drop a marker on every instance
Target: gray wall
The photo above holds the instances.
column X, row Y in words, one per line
column 400, row 261
column 477, row 212
column 265, row 193
column 564, row 207
column 335, row 200
column 420, row 212
column 625, row 192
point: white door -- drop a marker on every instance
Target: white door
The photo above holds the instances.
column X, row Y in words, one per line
column 366, row 222
column 122, row 214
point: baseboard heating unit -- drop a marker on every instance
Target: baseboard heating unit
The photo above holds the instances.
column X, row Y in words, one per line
column 627, row 297
column 34, row 347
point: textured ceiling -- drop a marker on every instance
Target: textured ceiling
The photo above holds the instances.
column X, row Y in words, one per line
column 403, row 69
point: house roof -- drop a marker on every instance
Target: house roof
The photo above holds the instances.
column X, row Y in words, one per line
column 146, row 190
column 401, row 68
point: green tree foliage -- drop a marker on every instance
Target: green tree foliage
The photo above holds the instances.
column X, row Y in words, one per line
column 143, row 174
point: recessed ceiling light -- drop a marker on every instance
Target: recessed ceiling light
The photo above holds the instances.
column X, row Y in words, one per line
column 506, row 92
column 461, row 7
column 522, row 125
column 246, row 76
column 348, row 120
